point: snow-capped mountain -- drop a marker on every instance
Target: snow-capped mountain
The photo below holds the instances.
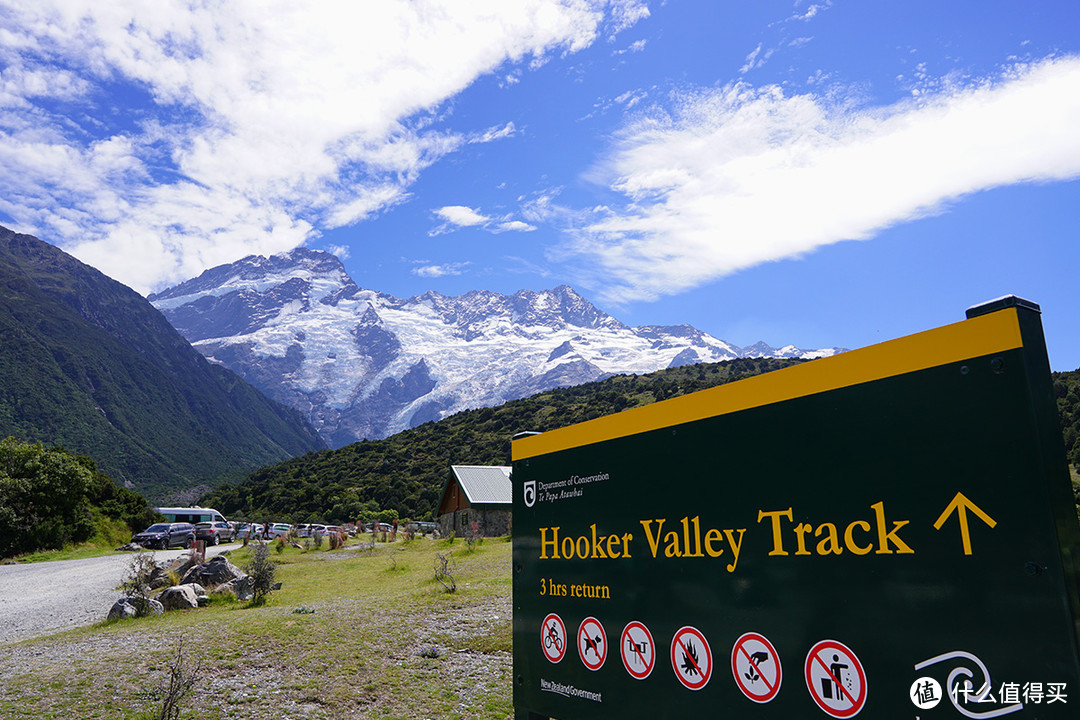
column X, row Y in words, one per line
column 362, row 364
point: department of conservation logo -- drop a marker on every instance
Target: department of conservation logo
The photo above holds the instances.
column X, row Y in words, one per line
column 530, row 493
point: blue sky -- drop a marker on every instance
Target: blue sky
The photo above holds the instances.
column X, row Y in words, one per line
column 815, row 173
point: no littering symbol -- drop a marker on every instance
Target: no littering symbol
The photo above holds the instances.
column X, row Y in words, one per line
column 836, row 679
column 756, row 667
column 691, row 658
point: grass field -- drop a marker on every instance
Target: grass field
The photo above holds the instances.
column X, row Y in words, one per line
column 351, row 634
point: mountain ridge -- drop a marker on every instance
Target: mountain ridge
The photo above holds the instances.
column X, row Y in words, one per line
column 363, row 364
column 90, row 365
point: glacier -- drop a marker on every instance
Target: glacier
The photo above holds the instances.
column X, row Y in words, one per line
column 361, row 364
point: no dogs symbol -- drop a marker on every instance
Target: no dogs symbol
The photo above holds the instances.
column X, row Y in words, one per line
column 756, row 667
column 592, row 643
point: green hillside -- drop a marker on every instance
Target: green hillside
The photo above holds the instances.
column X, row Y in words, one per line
column 406, row 471
column 88, row 364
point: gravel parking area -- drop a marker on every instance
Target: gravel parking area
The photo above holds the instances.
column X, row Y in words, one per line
column 42, row 598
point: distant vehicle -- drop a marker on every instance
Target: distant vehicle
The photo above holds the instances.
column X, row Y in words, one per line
column 303, row 530
column 424, row 528
column 249, row 532
column 214, row 532
column 278, row 530
column 166, row 535
column 190, row 514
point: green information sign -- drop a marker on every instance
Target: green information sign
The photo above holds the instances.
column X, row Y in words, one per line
column 888, row 533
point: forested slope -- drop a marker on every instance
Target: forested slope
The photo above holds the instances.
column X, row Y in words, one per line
column 405, row 472
column 88, row 364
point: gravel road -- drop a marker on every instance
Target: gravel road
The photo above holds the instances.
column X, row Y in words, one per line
column 41, row 598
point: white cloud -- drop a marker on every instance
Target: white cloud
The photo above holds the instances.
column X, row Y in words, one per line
column 757, row 57
column 812, row 11
column 514, row 226
column 245, row 126
column 495, row 133
column 738, row 176
column 461, row 216
column 437, row 271
column 634, row 47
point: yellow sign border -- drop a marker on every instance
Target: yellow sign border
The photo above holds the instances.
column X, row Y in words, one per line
column 983, row 335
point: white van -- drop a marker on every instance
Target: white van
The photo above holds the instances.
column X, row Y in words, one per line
column 191, row 514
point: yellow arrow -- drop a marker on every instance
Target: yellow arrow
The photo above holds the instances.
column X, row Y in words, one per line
column 961, row 505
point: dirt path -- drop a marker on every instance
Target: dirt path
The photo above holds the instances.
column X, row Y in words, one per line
column 42, row 598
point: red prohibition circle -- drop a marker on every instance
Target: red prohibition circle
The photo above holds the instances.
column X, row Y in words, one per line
column 592, row 638
column 746, row 659
column 813, row 660
column 638, row 657
column 684, row 658
column 553, row 638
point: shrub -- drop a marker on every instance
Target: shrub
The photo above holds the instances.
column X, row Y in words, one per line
column 182, row 678
column 262, row 570
column 444, row 570
column 136, row 583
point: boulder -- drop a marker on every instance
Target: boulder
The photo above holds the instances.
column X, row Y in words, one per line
column 129, row 607
column 179, row 565
column 121, row 609
column 242, row 587
column 217, row 571
column 180, row 597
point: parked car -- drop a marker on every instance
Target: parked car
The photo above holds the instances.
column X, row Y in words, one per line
column 166, row 535
column 278, row 530
column 249, row 532
column 214, row 532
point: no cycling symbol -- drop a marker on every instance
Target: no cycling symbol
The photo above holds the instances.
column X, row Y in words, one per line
column 691, row 658
column 553, row 638
column 756, row 667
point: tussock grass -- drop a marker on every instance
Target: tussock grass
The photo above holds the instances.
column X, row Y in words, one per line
column 363, row 650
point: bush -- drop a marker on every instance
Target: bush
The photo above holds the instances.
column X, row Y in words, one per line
column 136, row 583
column 444, row 570
column 262, row 570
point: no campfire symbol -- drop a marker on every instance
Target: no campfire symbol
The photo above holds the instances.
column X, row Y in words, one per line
column 691, row 658
column 592, row 643
column 756, row 667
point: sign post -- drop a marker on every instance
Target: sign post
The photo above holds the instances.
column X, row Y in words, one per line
column 894, row 517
